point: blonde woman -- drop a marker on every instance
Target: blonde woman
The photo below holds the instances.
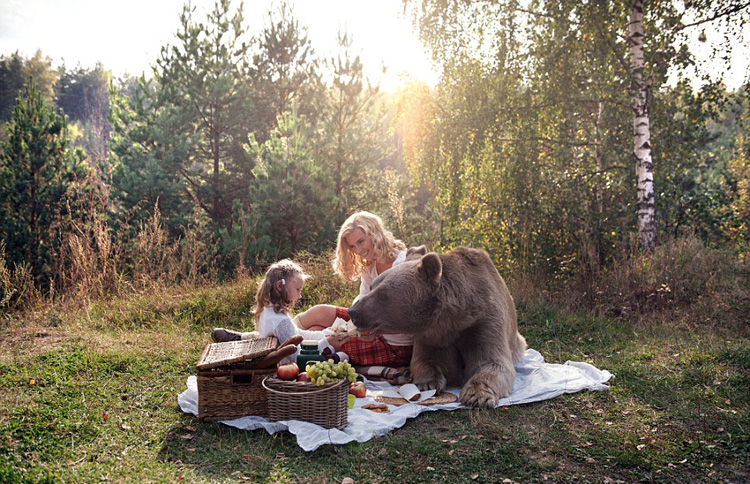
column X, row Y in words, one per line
column 364, row 250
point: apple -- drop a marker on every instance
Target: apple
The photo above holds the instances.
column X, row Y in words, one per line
column 302, row 377
column 288, row 371
column 357, row 389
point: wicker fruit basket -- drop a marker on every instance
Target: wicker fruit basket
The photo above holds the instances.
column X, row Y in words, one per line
column 323, row 405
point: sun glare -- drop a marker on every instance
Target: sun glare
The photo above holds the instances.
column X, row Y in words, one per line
column 390, row 50
column 383, row 37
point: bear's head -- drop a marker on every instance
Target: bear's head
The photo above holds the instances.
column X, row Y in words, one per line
column 403, row 298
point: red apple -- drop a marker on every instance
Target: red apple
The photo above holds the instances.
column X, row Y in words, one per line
column 357, row 389
column 302, row 377
column 288, row 371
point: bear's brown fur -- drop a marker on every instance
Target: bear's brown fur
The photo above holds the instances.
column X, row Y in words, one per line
column 461, row 315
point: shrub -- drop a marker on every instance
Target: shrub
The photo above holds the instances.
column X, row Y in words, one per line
column 682, row 275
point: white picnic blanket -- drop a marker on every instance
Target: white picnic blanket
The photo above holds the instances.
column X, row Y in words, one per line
column 536, row 380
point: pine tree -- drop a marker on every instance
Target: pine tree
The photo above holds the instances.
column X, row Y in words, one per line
column 36, row 171
column 203, row 99
column 355, row 134
column 291, row 193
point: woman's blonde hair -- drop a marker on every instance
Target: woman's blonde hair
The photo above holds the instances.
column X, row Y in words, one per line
column 348, row 264
column 268, row 292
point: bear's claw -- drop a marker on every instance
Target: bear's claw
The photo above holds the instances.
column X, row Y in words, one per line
column 437, row 384
column 477, row 393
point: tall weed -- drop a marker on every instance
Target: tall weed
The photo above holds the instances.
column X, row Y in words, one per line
column 87, row 266
column 17, row 288
column 195, row 252
column 154, row 254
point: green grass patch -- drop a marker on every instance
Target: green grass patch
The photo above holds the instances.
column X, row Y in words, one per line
column 90, row 396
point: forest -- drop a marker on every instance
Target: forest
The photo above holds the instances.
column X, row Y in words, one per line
column 583, row 144
column 240, row 148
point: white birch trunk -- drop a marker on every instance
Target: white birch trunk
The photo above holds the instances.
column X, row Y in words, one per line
column 641, row 132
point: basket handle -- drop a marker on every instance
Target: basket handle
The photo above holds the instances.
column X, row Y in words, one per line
column 340, row 382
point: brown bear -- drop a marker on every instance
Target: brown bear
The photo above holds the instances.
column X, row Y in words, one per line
column 462, row 317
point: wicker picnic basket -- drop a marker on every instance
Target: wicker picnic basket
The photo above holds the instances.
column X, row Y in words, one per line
column 323, row 405
column 227, row 387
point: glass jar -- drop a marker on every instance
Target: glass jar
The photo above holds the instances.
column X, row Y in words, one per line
column 308, row 353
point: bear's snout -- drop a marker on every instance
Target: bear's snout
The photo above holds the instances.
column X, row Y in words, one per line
column 353, row 315
column 358, row 318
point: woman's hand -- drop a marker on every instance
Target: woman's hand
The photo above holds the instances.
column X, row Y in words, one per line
column 337, row 340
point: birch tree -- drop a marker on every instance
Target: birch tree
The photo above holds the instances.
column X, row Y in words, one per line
column 644, row 165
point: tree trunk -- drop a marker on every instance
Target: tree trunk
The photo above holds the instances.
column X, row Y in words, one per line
column 641, row 132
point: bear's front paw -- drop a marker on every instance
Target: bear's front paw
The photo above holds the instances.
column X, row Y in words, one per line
column 479, row 395
column 437, row 383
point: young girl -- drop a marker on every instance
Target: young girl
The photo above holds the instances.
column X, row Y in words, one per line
column 365, row 249
column 280, row 289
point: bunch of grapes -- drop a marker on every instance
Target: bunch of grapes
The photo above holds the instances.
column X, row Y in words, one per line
column 322, row 372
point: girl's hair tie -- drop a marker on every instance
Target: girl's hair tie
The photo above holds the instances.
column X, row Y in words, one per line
column 283, row 281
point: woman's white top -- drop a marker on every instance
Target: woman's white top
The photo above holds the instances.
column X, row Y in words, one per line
column 366, row 285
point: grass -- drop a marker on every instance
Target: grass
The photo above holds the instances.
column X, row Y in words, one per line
column 88, row 394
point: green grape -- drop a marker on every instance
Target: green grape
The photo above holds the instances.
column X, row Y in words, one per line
column 327, row 371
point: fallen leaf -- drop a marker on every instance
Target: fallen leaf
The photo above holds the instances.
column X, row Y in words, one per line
column 640, row 446
column 450, row 452
column 190, row 428
column 105, row 416
column 125, row 426
column 430, row 468
column 474, row 477
column 32, row 381
column 187, row 437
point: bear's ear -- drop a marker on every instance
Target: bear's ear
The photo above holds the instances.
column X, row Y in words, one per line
column 416, row 252
column 430, row 268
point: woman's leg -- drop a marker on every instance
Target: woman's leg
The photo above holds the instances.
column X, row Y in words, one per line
column 366, row 352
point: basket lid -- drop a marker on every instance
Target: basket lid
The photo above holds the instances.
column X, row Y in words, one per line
column 220, row 354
